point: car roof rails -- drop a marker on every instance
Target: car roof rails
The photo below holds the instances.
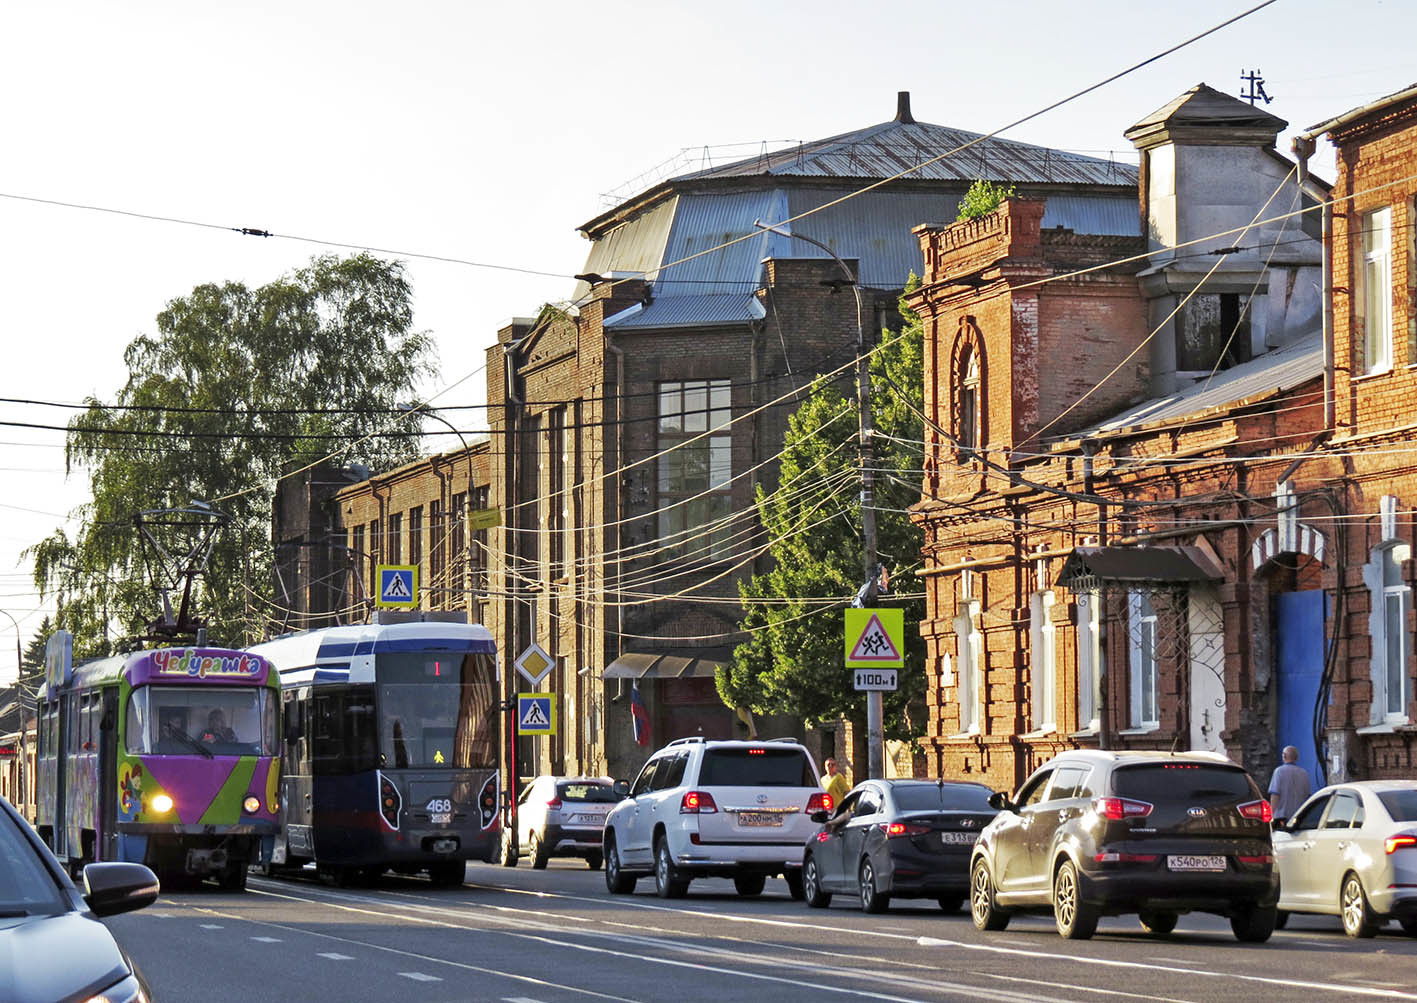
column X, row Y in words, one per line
column 687, row 741
column 785, row 738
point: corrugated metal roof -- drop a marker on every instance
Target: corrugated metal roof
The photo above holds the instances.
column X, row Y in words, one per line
column 1274, row 372
column 636, row 246
column 1109, row 215
column 669, row 663
column 1137, row 564
column 688, row 311
column 885, row 150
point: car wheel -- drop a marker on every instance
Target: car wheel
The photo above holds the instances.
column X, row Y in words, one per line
column 540, row 855
column 794, row 884
column 1358, row 919
column 1281, row 919
column 667, row 882
column 872, row 898
column 812, row 892
column 1253, row 924
column 1160, row 923
column 1075, row 918
column 950, row 903
column 593, row 861
column 749, row 885
column 507, row 849
column 983, row 908
column 617, row 882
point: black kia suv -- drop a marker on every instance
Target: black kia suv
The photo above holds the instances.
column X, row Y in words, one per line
column 1095, row 833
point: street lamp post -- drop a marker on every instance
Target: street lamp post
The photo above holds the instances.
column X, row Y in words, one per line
column 875, row 737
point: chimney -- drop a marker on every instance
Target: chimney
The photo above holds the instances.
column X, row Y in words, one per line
column 902, row 108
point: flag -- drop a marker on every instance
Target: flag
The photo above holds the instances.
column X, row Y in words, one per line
column 639, row 717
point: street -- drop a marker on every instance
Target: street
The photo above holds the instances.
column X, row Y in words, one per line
column 557, row 935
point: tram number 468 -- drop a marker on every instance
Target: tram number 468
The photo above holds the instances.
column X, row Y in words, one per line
column 875, row 679
column 440, row 811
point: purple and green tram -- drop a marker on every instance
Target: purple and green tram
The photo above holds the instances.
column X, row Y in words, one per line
column 392, row 740
column 167, row 757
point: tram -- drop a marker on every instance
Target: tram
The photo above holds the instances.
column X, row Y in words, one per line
column 392, row 733
column 167, row 757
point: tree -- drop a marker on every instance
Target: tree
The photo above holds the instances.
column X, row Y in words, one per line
column 983, row 198
column 238, row 386
column 793, row 662
column 32, row 661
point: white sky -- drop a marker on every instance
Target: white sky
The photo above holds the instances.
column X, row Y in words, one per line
column 488, row 132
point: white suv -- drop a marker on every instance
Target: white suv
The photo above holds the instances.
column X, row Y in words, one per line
column 740, row 810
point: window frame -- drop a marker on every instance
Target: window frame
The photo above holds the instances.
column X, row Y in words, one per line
column 704, row 434
column 1043, row 661
column 1389, row 628
column 1377, row 331
column 1143, row 665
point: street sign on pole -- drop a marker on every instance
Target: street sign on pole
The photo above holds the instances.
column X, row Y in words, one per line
column 875, row 639
column 485, row 518
column 398, row 586
column 876, row 679
column 534, row 664
column 536, row 713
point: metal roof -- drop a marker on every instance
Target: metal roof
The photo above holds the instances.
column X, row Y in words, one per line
column 669, row 663
column 1138, row 564
column 1271, row 373
column 887, row 149
column 688, row 311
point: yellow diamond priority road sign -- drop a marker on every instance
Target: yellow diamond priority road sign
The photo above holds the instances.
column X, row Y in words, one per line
column 875, row 639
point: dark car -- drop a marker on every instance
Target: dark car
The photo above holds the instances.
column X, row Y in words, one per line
column 897, row 838
column 52, row 946
column 1093, row 834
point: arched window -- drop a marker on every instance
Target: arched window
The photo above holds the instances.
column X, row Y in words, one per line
column 969, row 403
column 967, row 391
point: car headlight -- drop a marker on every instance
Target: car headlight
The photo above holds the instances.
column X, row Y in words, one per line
column 162, row 804
column 129, row 990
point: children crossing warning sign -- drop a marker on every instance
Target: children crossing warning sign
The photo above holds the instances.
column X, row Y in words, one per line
column 536, row 713
column 875, row 638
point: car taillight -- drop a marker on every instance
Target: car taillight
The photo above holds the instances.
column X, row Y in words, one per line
column 1261, row 810
column 554, row 804
column 1263, row 858
column 1117, row 809
column 819, row 802
column 893, row 829
column 1402, row 842
column 697, row 803
column 1126, row 858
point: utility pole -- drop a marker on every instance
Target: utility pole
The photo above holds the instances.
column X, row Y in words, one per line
column 875, row 730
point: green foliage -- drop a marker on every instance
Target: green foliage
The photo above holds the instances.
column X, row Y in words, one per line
column 262, row 364
column 32, row 661
column 983, row 198
column 793, row 662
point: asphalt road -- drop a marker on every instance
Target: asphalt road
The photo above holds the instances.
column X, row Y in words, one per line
column 523, row 935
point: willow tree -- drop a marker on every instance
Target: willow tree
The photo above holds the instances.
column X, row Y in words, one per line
column 238, row 386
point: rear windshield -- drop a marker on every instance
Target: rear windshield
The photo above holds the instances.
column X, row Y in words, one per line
column 1173, row 782
column 1401, row 805
column 952, row 797
column 585, row 792
column 756, row 768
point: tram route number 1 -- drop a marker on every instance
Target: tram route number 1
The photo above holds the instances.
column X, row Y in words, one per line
column 875, row 679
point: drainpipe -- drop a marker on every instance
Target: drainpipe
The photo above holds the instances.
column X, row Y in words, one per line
column 1303, row 150
column 619, row 354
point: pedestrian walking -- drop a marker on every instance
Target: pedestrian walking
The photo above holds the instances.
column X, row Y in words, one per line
column 1289, row 787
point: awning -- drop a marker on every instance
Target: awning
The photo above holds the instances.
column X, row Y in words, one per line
column 668, row 663
column 1086, row 566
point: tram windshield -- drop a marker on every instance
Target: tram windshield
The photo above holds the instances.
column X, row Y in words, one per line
column 437, row 709
column 202, row 721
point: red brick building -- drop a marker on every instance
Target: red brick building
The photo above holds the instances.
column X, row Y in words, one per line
column 1164, row 499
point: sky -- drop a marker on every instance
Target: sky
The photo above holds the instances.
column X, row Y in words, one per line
column 488, row 132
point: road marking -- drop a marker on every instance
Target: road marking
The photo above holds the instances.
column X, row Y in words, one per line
column 212, row 926
column 266, row 940
column 519, row 999
column 335, row 956
column 1078, row 989
column 420, row 977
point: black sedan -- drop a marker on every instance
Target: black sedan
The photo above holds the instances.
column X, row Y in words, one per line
column 897, row 838
column 52, row 946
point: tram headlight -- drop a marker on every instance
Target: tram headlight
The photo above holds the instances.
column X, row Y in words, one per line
column 251, row 805
column 161, row 803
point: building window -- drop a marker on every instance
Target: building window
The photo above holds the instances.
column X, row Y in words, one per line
column 695, row 468
column 1044, row 658
column 1141, row 617
column 1090, row 666
column 1392, row 644
column 555, row 521
column 1213, row 332
column 478, row 555
column 1375, row 297
column 457, row 516
column 415, row 536
column 396, row 538
column 969, row 405
column 376, row 549
column 437, row 550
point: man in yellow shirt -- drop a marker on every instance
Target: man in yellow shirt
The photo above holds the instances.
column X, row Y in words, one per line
column 835, row 783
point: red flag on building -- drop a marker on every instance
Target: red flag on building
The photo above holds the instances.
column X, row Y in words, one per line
column 639, row 716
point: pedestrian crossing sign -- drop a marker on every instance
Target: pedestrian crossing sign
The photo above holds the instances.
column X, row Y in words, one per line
column 536, row 713
column 398, row 586
column 875, row 639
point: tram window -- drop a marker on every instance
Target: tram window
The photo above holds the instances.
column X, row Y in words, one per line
column 437, row 710
column 91, row 706
column 189, row 720
column 71, row 707
column 341, row 731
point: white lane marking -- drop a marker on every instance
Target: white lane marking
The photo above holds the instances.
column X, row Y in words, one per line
column 519, row 999
column 266, row 940
column 420, row 977
column 212, row 926
column 334, row 956
column 1078, row 989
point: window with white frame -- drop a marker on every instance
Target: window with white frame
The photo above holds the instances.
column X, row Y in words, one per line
column 969, row 393
column 695, row 469
column 1089, row 645
column 1141, row 622
column 970, row 654
column 1044, row 656
column 1375, row 299
column 1392, row 645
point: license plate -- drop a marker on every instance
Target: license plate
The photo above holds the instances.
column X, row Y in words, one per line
column 761, row 818
column 596, row 819
column 441, row 818
column 959, row 838
column 1188, row 862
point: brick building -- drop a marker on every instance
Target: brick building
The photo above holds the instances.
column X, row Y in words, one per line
column 628, row 431
column 1195, row 532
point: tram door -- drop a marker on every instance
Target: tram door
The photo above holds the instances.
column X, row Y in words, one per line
column 107, row 848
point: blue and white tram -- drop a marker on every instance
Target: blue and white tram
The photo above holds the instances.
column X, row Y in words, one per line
column 393, row 735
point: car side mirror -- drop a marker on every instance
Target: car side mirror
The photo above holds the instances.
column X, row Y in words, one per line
column 621, row 789
column 999, row 801
column 119, row 887
column 819, row 816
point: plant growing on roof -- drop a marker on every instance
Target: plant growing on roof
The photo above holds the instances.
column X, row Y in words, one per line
column 983, row 198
